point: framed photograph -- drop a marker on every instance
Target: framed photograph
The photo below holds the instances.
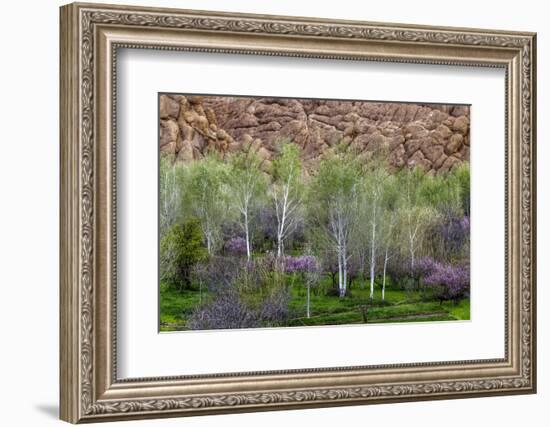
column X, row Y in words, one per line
column 267, row 212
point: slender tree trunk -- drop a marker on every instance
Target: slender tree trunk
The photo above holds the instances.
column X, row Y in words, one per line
column 384, row 275
column 308, row 301
column 373, row 254
column 280, row 230
column 362, row 269
column 248, row 250
column 283, row 218
column 209, row 243
column 340, row 287
column 411, row 250
column 372, row 266
column 345, row 268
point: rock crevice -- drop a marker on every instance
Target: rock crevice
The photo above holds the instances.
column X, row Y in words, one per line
column 434, row 137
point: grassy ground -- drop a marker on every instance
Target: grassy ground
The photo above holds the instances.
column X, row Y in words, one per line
column 398, row 306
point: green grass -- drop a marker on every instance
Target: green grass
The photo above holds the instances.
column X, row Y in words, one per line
column 399, row 306
column 460, row 311
column 176, row 307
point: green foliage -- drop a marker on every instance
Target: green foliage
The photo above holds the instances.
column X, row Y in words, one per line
column 286, row 191
column 247, row 187
column 413, row 182
column 449, row 192
column 245, row 173
column 287, row 165
column 352, row 213
column 333, row 191
column 176, row 307
column 206, row 197
column 180, row 249
column 461, row 174
column 416, row 210
column 171, row 195
column 336, row 178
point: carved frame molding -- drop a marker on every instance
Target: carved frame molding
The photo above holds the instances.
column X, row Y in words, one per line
column 90, row 37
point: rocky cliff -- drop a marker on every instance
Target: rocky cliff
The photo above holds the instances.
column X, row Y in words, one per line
column 434, row 137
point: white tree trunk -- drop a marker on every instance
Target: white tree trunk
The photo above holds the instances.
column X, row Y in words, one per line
column 384, row 275
column 308, row 301
column 285, row 211
column 248, row 248
column 280, row 227
column 209, row 234
column 373, row 252
column 209, row 244
column 281, row 232
column 411, row 250
column 345, row 270
column 362, row 262
column 340, row 287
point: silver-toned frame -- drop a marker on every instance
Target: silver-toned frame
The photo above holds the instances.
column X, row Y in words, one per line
column 90, row 37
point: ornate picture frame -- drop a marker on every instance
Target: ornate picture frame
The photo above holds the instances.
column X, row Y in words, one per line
column 91, row 34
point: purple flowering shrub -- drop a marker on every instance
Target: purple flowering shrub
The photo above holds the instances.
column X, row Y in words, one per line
column 306, row 266
column 225, row 311
column 229, row 310
column 455, row 234
column 399, row 271
column 241, row 294
column 274, row 309
column 425, row 266
column 448, row 281
column 449, row 240
column 219, row 273
column 301, row 264
column 235, row 246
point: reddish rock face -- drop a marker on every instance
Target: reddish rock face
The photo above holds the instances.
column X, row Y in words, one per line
column 434, row 137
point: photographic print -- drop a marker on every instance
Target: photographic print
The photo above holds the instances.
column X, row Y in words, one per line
column 333, row 203
column 287, row 212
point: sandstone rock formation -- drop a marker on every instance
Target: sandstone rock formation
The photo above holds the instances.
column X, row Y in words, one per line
column 434, row 137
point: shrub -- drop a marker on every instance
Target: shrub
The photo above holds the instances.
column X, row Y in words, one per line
column 181, row 249
column 449, row 282
column 219, row 273
column 301, row 264
column 225, row 311
column 228, row 310
column 274, row 310
column 399, row 271
column 425, row 266
column 455, row 236
column 236, row 246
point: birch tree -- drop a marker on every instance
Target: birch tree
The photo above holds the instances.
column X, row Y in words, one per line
column 207, row 198
column 445, row 194
column 415, row 213
column 286, row 193
column 388, row 224
column 170, row 195
column 334, row 206
column 247, row 185
column 375, row 183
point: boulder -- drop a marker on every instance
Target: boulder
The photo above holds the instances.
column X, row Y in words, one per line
column 454, row 144
column 461, row 124
column 434, row 137
column 169, row 107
